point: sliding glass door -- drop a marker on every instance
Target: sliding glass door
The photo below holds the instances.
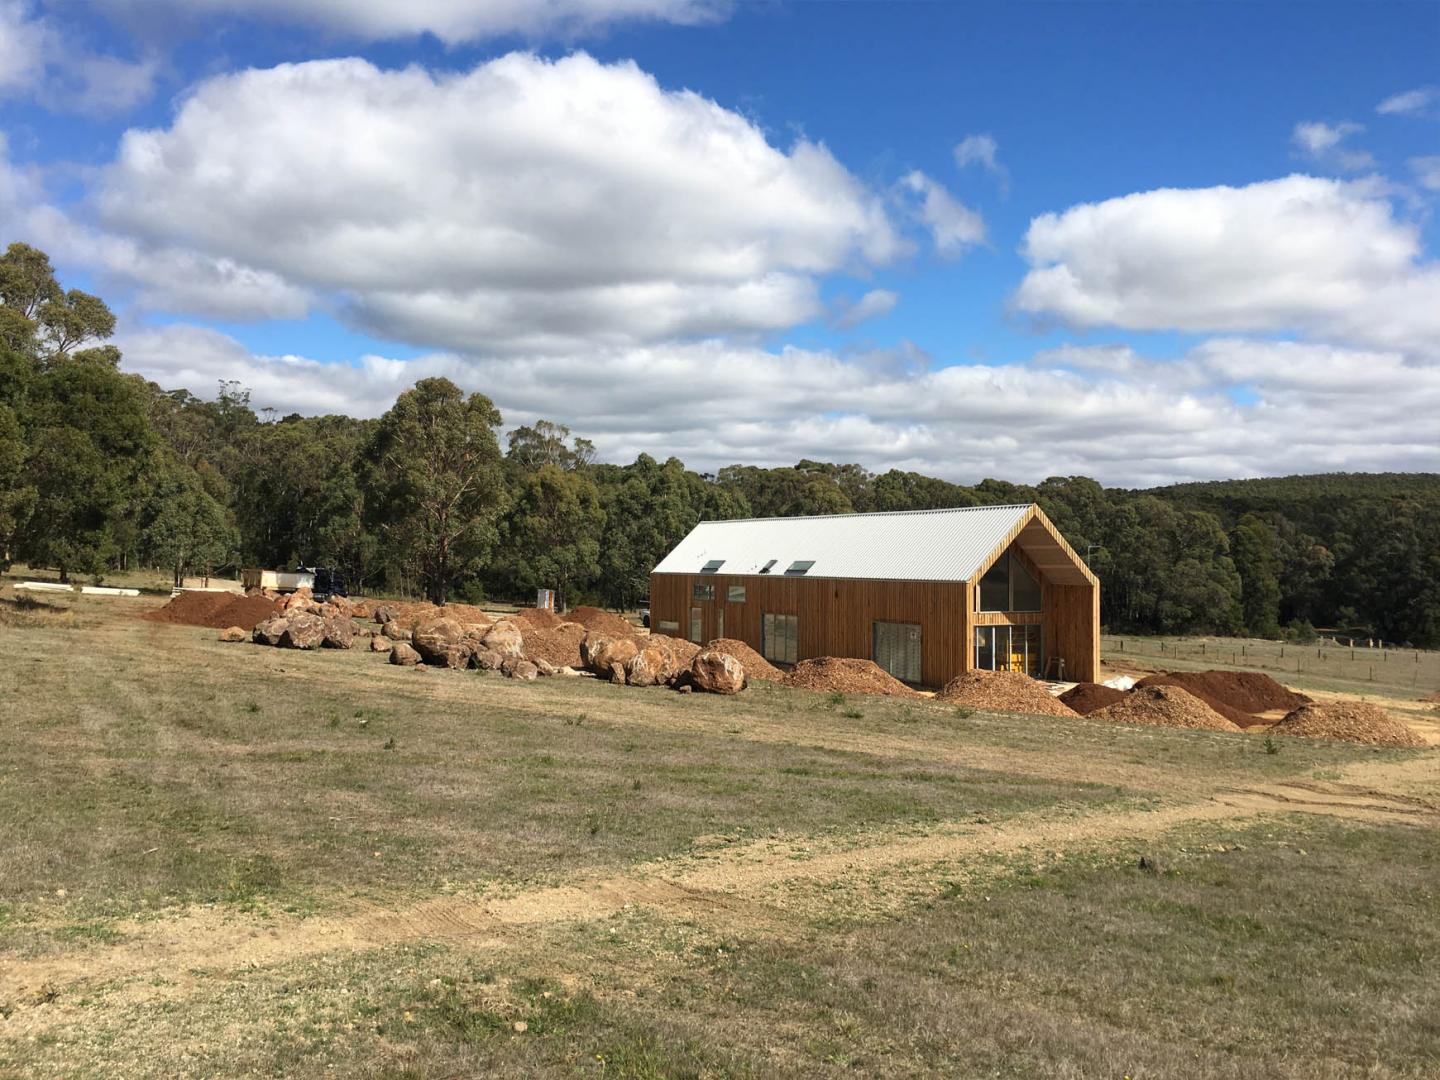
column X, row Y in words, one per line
column 1009, row 648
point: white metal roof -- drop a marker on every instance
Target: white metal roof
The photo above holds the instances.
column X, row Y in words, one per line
column 914, row 545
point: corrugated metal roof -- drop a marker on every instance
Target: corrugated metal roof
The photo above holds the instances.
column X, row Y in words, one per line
column 914, row 545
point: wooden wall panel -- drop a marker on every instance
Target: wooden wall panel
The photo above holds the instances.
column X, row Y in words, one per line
column 835, row 616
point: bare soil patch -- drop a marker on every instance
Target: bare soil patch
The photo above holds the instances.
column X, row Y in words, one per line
column 1165, row 706
column 215, row 610
column 843, row 675
column 1088, row 697
column 1006, row 691
column 1350, row 721
column 558, row 644
column 538, row 618
column 605, row 622
column 755, row 665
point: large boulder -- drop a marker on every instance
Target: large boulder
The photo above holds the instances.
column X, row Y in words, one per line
column 396, row 632
column 717, row 673
column 384, row 613
column 441, row 641
column 339, row 633
column 519, row 668
column 381, row 643
column 233, row 633
column 651, row 666
column 304, row 631
column 601, row 652
column 504, row 638
column 485, row 659
column 270, row 631
column 404, row 655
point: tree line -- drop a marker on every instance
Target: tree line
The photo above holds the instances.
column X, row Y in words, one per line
column 101, row 470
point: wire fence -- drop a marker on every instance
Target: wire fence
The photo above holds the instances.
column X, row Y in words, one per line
column 1411, row 668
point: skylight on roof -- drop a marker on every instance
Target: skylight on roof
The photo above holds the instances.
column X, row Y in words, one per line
column 768, row 566
column 712, row 566
column 798, row 567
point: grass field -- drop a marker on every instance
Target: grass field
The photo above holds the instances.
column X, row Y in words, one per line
column 223, row 860
column 1399, row 673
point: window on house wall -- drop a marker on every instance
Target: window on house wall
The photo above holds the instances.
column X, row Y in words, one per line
column 1008, row 586
column 896, row 648
column 735, row 594
column 720, row 621
column 703, row 592
column 697, row 625
column 668, row 626
column 780, row 638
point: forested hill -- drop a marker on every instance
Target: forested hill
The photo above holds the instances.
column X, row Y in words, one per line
column 100, row 470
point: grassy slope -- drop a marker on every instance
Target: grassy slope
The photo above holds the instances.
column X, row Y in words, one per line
column 149, row 767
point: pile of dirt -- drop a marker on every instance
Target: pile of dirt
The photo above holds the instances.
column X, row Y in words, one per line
column 1236, row 695
column 1088, row 697
column 1348, row 721
column 1435, row 697
column 465, row 614
column 1002, row 691
column 755, row 665
column 832, row 674
column 558, row 645
column 1164, row 706
column 540, row 618
column 216, row 610
column 604, row 622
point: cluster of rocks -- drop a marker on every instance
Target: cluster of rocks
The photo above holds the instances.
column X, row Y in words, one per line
column 473, row 640
column 662, row 662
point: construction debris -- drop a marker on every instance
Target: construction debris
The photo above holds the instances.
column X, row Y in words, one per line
column 1347, row 721
column 1164, row 706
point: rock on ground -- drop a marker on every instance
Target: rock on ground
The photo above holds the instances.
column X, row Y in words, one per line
column 339, row 633
column 717, row 673
column 505, row 638
column 404, row 655
column 270, row 631
column 304, row 631
column 233, row 633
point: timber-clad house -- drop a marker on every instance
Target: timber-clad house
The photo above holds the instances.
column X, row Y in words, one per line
column 926, row 594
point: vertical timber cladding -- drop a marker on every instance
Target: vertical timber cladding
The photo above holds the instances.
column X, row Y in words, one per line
column 836, row 615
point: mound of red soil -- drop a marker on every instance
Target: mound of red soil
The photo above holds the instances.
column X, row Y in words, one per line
column 540, row 618
column 466, row 614
column 755, row 665
column 604, row 622
column 831, row 674
column 1165, row 706
column 558, row 645
column 1236, row 695
column 1350, row 721
column 215, row 610
column 1003, row 691
column 1088, row 697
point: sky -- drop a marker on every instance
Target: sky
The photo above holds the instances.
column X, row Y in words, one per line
column 1146, row 243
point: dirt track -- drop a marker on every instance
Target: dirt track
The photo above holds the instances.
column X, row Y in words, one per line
column 728, row 886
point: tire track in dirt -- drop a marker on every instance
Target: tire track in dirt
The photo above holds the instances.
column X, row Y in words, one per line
column 725, row 887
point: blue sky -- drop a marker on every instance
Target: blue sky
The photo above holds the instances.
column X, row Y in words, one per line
column 1263, row 302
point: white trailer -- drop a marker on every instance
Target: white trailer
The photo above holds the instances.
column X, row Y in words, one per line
column 277, row 580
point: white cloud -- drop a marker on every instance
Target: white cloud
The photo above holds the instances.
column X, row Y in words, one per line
column 1410, row 102
column 1323, row 142
column 1134, row 422
column 525, row 205
column 41, row 60
column 984, row 151
column 452, row 21
column 1321, row 257
column 953, row 225
column 1427, row 171
column 872, row 305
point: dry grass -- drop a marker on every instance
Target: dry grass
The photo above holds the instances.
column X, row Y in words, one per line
column 153, row 778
